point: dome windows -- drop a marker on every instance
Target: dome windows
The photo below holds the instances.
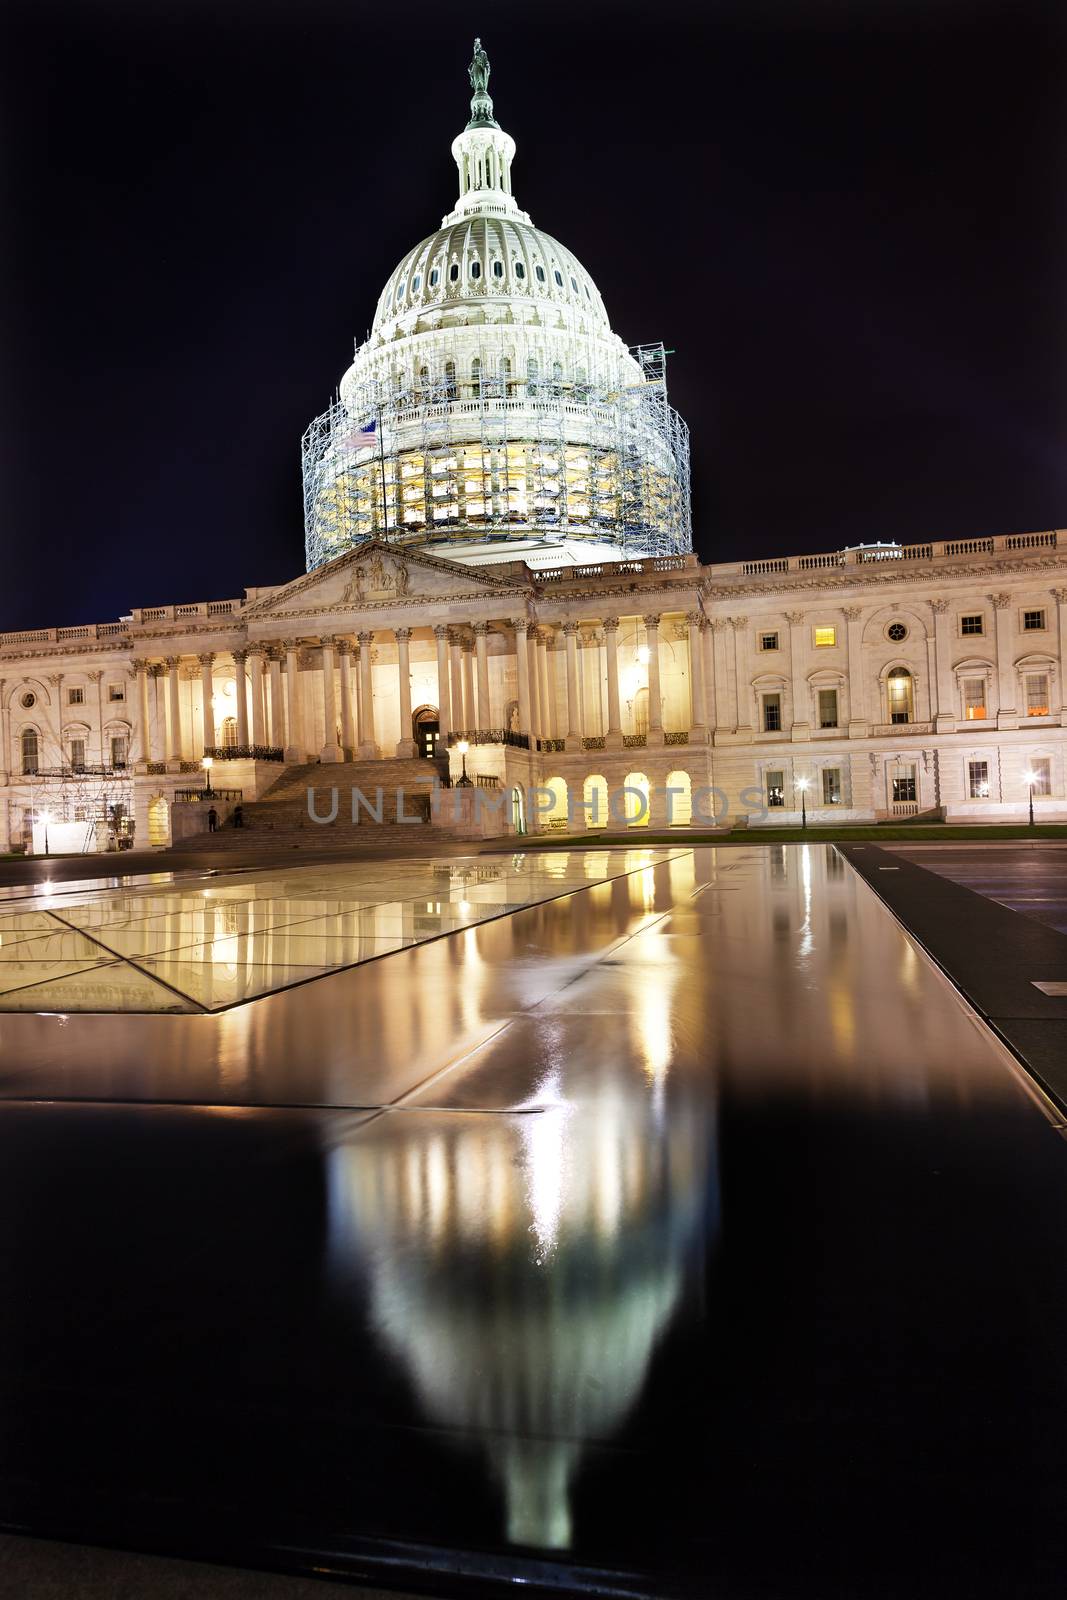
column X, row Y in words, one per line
column 435, row 277
column 539, row 272
column 399, row 292
column 416, row 283
column 498, row 269
column 453, row 272
column 574, row 284
column 557, row 274
column 476, row 269
column 519, row 270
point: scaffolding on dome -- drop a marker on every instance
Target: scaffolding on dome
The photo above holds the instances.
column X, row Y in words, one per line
column 499, row 458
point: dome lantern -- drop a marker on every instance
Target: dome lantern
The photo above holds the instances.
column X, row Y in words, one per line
column 483, row 154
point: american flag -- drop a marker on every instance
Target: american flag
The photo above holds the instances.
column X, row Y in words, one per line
column 363, row 438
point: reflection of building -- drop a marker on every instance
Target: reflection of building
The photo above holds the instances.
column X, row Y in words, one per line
column 498, row 544
column 523, row 1269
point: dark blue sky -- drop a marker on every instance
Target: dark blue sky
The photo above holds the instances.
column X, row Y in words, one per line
column 847, row 219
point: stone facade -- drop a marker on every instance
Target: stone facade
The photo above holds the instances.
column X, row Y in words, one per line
column 896, row 680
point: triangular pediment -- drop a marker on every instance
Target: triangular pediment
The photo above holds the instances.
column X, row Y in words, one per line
column 378, row 574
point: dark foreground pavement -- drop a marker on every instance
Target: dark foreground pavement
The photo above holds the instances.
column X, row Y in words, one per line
column 684, row 1235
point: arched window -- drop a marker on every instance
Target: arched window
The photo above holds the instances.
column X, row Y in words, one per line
column 476, row 374
column 539, row 273
column 505, row 368
column 476, row 268
column 435, row 277
column 229, row 733
column 453, row 272
column 416, row 283
column 399, row 292
column 424, row 377
column 557, row 378
column 498, row 269
column 574, row 285
column 450, row 379
column 30, row 751
column 901, row 693
column 557, row 274
column 520, row 271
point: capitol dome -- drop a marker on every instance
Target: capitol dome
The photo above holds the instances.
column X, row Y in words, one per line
column 492, row 413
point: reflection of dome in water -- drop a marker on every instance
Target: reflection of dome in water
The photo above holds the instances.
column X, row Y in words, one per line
column 525, row 1269
column 492, row 413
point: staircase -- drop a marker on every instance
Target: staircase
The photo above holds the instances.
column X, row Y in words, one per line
column 279, row 820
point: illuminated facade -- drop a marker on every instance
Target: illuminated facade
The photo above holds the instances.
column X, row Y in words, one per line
column 499, row 551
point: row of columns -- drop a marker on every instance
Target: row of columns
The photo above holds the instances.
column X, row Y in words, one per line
column 463, row 690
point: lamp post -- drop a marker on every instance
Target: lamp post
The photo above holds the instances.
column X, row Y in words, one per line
column 464, row 781
column 46, row 817
column 207, row 764
column 803, row 785
column 1030, row 778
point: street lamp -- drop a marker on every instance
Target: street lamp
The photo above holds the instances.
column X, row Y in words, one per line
column 207, row 764
column 1030, row 778
column 803, row 785
column 464, row 782
column 46, row 817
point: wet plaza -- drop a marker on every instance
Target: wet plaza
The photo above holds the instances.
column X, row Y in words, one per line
column 631, row 1221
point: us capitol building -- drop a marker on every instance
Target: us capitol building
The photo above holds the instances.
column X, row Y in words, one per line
column 499, row 555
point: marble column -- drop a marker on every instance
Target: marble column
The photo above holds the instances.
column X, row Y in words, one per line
column 241, row 697
column 613, row 735
column 800, row 711
column 459, row 710
column 857, row 700
column 348, row 731
column 444, row 698
column 574, row 703
column 536, row 718
column 655, row 694
column 1003, row 612
column 295, row 749
column 207, row 690
column 368, row 748
column 742, row 685
column 468, row 684
column 481, row 644
column 259, row 723
column 406, row 743
column 174, row 709
column 1060, row 597
column 277, row 715
column 697, row 724
column 158, row 724
column 140, row 694
column 545, row 684
column 522, row 665
column 720, row 677
column 707, row 647
column 331, row 750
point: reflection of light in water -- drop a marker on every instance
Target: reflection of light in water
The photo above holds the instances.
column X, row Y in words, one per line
column 807, row 937
column 534, row 1351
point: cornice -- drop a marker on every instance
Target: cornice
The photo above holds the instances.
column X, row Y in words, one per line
column 836, row 580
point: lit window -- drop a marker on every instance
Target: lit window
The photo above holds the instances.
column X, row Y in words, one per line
column 476, row 269
column 978, row 780
column 772, row 713
column 827, row 708
column 768, row 641
column 1042, row 771
column 557, row 274
column 901, row 695
column 974, row 706
column 539, row 272
column 775, row 782
column 825, row 638
column 435, row 277
column 972, row 624
column 1033, row 621
column 1037, row 694
column 116, row 691
column 498, row 269
column 453, row 272
column 831, row 786
column 520, row 270
column 75, row 697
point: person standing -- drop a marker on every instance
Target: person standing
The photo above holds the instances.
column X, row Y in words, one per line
column 212, row 820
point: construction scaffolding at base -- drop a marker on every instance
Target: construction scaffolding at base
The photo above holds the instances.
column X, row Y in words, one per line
column 501, row 458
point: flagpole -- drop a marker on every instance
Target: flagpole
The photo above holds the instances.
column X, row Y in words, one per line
column 381, row 462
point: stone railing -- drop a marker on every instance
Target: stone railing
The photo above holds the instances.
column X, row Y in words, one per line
column 518, row 741
column 869, row 555
column 676, row 738
column 200, row 610
column 86, row 632
column 551, row 745
column 244, row 752
column 594, row 742
column 613, row 569
column 634, row 741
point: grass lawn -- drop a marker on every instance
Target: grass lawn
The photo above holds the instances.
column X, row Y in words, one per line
column 935, row 833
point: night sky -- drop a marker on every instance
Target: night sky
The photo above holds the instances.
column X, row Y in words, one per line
column 849, row 221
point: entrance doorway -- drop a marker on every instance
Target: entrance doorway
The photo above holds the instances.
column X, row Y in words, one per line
column 426, row 731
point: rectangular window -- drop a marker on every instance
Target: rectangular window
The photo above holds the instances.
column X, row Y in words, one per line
column 1033, row 621
column 904, row 786
column 75, row 697
column 972, row 624
column 827, row 708
column 1042, row 771
column 77, row 754
column 974, row 707
column 1037, row 694
column 768, row 641
column 772, row 713
column 775, row 788
column 825, row 638
column 978, row 780
column 116, row 691
column 118, row 751
column 831, row 786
